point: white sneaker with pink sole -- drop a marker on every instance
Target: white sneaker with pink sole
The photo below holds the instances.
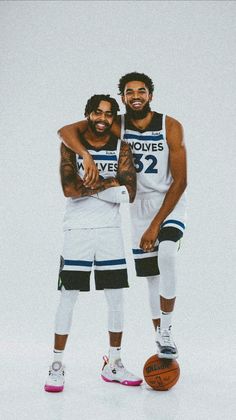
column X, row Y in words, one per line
column 56, row 378
column 116, row 372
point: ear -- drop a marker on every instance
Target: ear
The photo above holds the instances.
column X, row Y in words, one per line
column 150, row 97
column 123, row 99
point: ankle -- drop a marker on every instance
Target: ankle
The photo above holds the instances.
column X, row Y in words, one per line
column 58, row 356
column 114, row 354
column 166, row 320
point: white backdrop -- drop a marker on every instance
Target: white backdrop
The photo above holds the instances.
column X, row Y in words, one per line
column 54, row 55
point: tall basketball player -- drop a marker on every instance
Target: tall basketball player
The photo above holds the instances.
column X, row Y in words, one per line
column 93, row 236
column 158, row 212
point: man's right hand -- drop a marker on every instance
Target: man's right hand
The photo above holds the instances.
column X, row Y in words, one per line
column 91, row 173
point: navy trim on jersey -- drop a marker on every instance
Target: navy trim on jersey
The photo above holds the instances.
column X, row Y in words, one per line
column 104, row 157
column 79, row 263
column 110, row 145
column 110, row 262
column 144, row 138
column 176, row 222
column 155, row 124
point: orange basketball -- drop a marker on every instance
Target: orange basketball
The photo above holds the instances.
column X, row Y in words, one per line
column 161, row 374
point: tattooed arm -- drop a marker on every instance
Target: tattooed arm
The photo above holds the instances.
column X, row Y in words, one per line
column 70, row 136
column 71, row 182
column 126, row 173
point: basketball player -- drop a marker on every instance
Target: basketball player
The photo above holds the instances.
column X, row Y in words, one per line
column 93, row 236
column 158, row 213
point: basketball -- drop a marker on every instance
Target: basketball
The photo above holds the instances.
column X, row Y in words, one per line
column 161, row 374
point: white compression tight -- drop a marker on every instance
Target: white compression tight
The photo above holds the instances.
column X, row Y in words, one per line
column 167, row 253
column 65, row 311
column 154, row 296
column 115, row 303
column 114, row 298
column 165, row 283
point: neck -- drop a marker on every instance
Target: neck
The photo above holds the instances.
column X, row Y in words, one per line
column 95, row 140
column 144, row 122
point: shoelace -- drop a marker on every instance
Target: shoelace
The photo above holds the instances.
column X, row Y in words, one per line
column 167, row 339
column 56, row 374
column 119, row 366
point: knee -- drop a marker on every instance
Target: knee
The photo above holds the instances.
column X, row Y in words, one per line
column 115, row 299
column 68, row 300
column 167, row 251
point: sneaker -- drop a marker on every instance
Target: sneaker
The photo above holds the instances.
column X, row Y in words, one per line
column 116, row 372
column 166, row 347
column 55, row 380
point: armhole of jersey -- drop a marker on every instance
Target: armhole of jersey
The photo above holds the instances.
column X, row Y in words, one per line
column 164, row 125
column 118, row 149
column 122, row 126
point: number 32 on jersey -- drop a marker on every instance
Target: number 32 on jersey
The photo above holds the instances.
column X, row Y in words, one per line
column 145, row 163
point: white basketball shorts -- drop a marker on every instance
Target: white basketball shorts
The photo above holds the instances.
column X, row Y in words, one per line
column 84, row 248
column 142, row 212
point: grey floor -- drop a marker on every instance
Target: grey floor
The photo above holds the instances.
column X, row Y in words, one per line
column 205, row 390
column 202, row 327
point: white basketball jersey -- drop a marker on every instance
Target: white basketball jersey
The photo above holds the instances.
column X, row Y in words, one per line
column 90, row 212
column 151, row 154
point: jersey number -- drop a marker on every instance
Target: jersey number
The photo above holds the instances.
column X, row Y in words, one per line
column 151, row 169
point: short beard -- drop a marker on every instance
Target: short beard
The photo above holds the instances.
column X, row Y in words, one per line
column 138, row 115
column 98, row 133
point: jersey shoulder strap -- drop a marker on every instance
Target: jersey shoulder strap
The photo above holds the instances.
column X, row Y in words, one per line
column 164, row 125
column 157, row 123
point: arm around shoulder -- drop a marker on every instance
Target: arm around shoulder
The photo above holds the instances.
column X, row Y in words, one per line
column 75, row 128
column 70, row 136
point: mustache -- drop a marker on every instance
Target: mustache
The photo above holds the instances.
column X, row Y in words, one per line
column 138, row 115
column 137, row 100
column 102, row 122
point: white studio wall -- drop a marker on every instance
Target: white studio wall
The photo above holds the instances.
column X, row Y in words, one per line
column 54, row 56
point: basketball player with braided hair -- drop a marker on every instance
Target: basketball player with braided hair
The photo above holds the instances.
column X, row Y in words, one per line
column 158, row 213
column 92, row 236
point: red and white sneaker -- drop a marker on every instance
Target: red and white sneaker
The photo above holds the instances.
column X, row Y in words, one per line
column 55, row 380
column 116, row 372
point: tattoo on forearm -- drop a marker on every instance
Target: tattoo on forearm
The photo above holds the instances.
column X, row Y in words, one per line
column 68, row 168
column 73, row 185
column 106, row 183
column 126, row 170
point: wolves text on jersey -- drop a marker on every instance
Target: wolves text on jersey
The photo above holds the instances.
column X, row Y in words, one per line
column 102, row 166
column 146, row 147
